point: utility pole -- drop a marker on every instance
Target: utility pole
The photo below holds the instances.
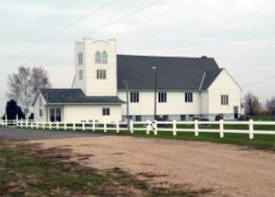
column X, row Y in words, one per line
column 127, row 104
column 155, row 70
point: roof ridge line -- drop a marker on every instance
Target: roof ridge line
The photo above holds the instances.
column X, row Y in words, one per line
column 163, row 56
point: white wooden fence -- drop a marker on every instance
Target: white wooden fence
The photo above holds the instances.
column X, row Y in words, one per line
column 170, row 126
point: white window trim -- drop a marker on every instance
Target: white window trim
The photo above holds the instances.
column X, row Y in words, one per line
column 225, row 99
column 134, row 97
column 188, row 96
column 162, row 97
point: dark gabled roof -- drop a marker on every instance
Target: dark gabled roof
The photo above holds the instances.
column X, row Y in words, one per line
column 76, row 96
column 173, row 72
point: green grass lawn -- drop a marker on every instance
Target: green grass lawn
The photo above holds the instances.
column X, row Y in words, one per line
column 261, row 142
column 25, row 172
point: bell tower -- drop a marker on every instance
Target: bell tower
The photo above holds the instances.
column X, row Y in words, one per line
column 96, row 67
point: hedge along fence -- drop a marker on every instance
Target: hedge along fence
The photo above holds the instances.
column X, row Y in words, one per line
column 239, row 127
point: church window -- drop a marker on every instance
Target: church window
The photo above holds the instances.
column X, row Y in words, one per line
column 224, row 99
column 104, row 58
column 101, row 74
column 80, row 75
column 134, row 97
column 106, row 111
column 188, row 97
column 98, row 57
column 162, row 97
column 80, row 58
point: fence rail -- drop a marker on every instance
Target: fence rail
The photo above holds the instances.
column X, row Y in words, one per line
column 155, row 126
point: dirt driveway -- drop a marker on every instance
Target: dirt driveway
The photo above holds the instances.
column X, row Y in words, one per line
column 228, row 170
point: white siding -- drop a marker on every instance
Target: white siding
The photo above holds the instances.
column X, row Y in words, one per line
column 90, row 85
column 91, row 112
column 224, row 84
column 175, row 104
column 79, row 47
column 37, row 107
column 204, row 102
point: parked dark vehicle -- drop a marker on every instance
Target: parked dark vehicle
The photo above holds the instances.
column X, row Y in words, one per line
column 195, row 118
column 244, row 118
column 218, row 117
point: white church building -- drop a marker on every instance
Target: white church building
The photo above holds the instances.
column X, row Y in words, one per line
column 185, row 87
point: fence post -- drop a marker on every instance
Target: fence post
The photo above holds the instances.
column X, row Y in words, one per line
column 93, row 125
column 174, row 127
column 83, row 126
column 196, row 125
column 37, row 125
column 16, row 120
column 148, row 125
column 117, row 126
column 73, row 126
column 31, row 125
column 21, row 123
column 43, row 125
column 156, row 128
column 50, row 125
column 6, row 121
column 131, row 127
column 251, row 129
column 26, row 123
column 221, row 128
column 65, row 125
column 105, row 127
column 57, row 125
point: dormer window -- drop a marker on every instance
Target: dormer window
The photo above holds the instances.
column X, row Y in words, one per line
column 98, row 57
column 104, row 58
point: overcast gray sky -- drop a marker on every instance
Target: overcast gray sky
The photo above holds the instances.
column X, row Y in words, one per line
column 239, row 34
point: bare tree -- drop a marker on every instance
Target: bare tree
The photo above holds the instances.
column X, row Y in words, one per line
column 40, row 79
column 24, row 85
column 270, row 105
column 251, row 104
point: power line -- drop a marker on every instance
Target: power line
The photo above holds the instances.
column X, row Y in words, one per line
column 108, row 24
column 100, row 8
column 129, row 14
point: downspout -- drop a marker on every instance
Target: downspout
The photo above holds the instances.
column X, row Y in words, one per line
column 202, row 81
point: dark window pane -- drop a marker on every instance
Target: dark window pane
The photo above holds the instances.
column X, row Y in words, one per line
column 183, row 117
column 105, row 111
column 134, row 97
column 138, row 118
column 188, row 97
column 58, row 114
column 52, row 115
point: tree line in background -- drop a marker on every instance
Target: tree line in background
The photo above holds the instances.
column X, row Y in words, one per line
column 23, row 86
column 253, row 106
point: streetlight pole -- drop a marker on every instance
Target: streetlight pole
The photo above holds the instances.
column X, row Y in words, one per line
column 155, row 70
column 127, row 104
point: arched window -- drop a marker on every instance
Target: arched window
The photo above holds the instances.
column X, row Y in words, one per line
column 104, row 58
column 98, row 58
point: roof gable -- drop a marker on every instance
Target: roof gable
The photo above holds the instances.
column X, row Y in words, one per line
column 173, row 72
